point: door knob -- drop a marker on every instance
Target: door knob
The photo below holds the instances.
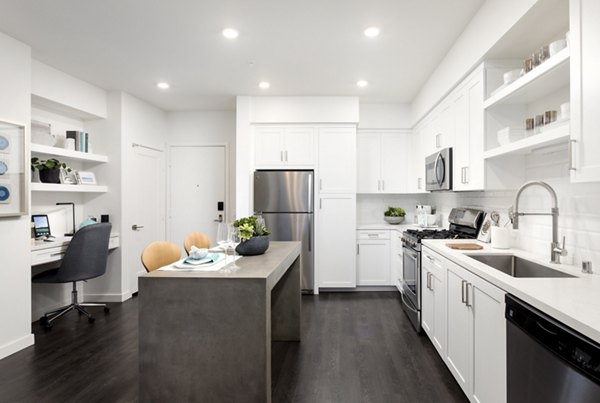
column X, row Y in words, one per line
column 136, row 227
column 219, row 219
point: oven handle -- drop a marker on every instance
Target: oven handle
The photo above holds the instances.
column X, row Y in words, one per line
column 406, row 304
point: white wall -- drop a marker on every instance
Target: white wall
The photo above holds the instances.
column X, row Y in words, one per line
column 206, row 128
column 492, row 21
column 15, row 273
column 385, row 116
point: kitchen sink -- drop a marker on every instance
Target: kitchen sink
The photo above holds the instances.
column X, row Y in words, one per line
column 517, row 267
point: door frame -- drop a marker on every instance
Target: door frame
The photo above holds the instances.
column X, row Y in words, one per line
column 228, row 210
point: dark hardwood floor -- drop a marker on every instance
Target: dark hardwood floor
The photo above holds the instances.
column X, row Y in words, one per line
column 356, row 347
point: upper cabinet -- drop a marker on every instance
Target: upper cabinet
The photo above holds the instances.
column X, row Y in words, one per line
column 284, row 146
column 337, row 160
column 467, row 107
column 584, row 142
column 383, row 158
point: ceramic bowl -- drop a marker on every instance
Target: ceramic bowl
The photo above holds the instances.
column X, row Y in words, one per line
column 393, row 220
column 557, row 46
column 512, row 75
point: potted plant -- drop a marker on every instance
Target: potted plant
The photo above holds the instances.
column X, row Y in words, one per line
column 254, row 236
column 49, row 169
column 394, row 215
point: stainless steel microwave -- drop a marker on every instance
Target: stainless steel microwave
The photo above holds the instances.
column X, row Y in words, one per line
column 438, row 170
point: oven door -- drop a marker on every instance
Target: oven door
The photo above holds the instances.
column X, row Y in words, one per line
column 411, row 268
column 438, row 171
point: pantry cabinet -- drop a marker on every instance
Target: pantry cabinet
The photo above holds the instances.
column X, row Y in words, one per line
column 383, row 161
column 584, row 144
column 373, row 258
column 284, row 147
column 337, row 161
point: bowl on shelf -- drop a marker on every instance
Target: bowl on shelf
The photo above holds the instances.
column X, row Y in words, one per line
column 393, row 220
column 512, row 75
column 557, row 46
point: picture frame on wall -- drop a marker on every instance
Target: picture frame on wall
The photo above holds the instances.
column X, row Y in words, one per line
column 14, row 178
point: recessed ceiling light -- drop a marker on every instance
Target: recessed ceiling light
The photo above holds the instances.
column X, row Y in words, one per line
column 163, row 85
column 372, row 32
column 230, row 33
column 361, row 83
column 264, row 85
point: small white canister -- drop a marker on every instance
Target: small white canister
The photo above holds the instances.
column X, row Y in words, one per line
column 501, row 237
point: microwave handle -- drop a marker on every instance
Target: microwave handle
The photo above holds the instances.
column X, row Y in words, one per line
column 435, row 169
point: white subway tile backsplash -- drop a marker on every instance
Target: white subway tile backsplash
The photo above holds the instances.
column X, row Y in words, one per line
column 579, row 206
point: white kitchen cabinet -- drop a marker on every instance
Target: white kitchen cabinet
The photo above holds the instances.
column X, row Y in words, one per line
column 396, row 259
column 476, row 335
column 284, row 146
column 468, row 166
column 373, row 258
column 441, row 128
column 337, row 160
column 383, row 160
column 416, row 182
column 433, row 303
column 336, row 247
column 585, row 90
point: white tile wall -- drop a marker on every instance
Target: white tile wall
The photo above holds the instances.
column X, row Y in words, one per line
column 579, row 206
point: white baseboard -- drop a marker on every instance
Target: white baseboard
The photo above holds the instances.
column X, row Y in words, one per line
column 16, row 345
column 107, row 297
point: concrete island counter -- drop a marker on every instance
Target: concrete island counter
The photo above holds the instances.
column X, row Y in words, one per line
column 206, row 336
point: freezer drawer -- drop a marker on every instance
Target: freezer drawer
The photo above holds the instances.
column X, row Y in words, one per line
column 295, row 227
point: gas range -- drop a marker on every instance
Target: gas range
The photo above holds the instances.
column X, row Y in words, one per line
column 464, row 224
column 412, row 237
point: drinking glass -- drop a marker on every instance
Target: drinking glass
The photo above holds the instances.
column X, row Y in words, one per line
column 223, row 236
column 234, row 241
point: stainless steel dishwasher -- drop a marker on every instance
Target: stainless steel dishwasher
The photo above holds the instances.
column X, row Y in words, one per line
column 546, row 360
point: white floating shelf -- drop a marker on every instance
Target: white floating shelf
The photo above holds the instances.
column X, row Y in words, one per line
column 559, row 134
column 69, row 154
column 56, row 187
column 545, row 79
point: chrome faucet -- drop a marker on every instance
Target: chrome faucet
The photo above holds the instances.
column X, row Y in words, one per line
column 556, row 250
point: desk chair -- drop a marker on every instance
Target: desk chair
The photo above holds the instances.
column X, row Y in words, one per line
column 197, row 239
column 84, row 259
column 159, row 254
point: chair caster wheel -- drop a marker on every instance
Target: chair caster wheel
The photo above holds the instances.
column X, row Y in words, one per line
column 91, row 320
column 106, row 309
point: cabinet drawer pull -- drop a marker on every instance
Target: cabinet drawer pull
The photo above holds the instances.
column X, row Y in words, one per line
column 358, row 249
column 430, row 258
column 383, row 185
column 437, row 140
column 286, row 156
column 431, row 281
column 467, row 303
column 57, row 254
column 466, row 174
column 462, row 292
column 419, row 183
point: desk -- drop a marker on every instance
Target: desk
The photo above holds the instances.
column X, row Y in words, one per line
column 48, row 252
column 206, row 336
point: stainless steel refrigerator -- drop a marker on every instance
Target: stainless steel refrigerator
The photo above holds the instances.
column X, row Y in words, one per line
column 285, row 201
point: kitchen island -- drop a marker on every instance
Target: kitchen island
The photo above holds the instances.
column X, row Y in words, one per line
column 206, row 336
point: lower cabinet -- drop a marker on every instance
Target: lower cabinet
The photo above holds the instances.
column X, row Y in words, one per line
column 469, row 312
column 373, row 258
column 433, row 301
column 396, row 259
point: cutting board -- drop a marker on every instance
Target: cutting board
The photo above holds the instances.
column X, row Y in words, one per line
column 464, row 246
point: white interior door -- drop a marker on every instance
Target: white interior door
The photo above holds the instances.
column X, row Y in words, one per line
column 197, row 182
column 144, row 210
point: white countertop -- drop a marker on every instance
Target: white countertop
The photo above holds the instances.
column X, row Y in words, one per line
column 572, row 301
column 385, row 226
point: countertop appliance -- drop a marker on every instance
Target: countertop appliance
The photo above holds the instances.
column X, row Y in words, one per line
column 464, row 224
column 438, row 170
column 546, row 361
column 285, row 201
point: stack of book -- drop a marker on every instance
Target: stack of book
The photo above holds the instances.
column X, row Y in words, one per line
column 81, row 140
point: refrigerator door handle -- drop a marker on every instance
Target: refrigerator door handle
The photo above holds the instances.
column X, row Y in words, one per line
column 310, row 234
column 310, row 193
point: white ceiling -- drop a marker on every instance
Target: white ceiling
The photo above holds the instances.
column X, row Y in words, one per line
column 302, row 47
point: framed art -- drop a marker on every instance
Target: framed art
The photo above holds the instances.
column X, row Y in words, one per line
column 68, row 178
column 14, row 179
column 86, row 178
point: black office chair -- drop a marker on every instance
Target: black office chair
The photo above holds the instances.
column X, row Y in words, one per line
column 84, row 259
